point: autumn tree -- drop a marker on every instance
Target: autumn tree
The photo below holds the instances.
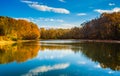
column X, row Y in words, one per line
column 14, row 29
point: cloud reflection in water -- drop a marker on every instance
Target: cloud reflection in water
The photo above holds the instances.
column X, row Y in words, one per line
column 43, row 69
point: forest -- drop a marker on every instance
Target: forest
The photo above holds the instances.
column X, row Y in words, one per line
column 105, row 27
column 12, row 29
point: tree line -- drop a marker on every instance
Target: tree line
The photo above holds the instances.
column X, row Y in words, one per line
column 106, row 27
column 12, row 29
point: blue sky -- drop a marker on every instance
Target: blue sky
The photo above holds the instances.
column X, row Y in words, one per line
column 57, row 13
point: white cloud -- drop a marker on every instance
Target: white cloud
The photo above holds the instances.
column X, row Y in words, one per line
column 111, row 4
column 62, row 25
column 67, row 25
column 42, row 69
column 116, row 9
column 40, row 19
column 81, row 14
column 50, row 20
column 62, row 1
column 28, row 2
column 41, row 7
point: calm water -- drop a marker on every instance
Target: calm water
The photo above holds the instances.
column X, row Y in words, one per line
column 60, row 58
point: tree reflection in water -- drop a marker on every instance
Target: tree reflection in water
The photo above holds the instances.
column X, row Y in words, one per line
column 107, row 54
column 18, row 52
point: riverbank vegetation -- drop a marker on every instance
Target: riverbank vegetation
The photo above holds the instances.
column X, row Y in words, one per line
column 106, row 27
column 12, row 29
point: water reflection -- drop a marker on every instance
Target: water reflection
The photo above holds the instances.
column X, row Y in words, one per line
column 54, row 47
column 106, row 54
column 42, row 69
column 18, row 52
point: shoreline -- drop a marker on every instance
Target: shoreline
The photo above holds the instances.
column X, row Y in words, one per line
column 87, row 40
column 105, row 41
column 12, row 42
column 84, row 40
column 81, row 40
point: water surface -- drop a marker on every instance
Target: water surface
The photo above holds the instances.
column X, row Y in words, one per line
column 60, row 58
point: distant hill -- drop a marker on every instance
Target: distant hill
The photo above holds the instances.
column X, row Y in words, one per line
column 12, row 29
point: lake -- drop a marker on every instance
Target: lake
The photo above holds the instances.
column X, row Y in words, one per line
column 60, row 58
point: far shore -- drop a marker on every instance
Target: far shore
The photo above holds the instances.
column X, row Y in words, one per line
column 88, row 40
column 81, row 40
column 106, row 41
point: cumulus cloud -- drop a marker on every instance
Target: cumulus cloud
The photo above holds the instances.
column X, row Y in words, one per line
column 41, row 7
column 111, row 4
column 42, row 69
column 116, row 9
column 81, row 14
column 62, row 1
